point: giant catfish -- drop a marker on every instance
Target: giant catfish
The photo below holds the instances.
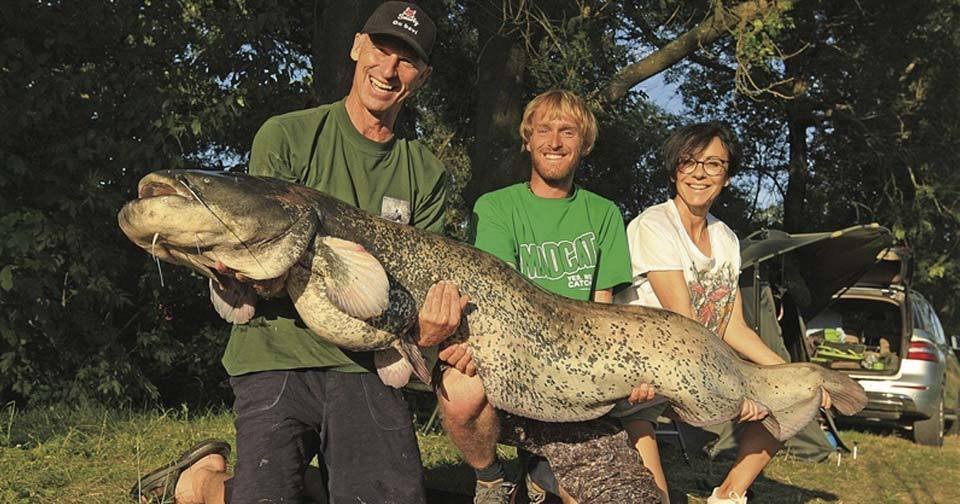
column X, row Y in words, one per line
column 358, row 280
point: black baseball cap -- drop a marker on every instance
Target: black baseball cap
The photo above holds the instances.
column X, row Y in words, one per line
column 405, row 21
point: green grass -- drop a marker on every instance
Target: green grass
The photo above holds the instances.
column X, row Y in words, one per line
column 94, row 455
column 888, row 469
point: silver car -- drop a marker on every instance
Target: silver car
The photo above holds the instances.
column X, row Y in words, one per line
column 889, row 338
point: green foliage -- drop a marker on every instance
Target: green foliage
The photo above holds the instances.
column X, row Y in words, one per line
column 96, row 95
column 757, row 45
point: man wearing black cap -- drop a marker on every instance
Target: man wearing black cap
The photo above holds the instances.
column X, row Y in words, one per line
column 296, row 395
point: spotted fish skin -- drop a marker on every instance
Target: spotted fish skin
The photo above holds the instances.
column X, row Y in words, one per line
column 550, row 358
column 538, row 354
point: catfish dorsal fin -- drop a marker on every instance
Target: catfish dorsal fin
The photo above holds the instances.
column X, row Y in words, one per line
column 356, row 282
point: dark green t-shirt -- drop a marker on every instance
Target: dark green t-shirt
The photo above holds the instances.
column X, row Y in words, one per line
column 569, row 246
column 320, row 148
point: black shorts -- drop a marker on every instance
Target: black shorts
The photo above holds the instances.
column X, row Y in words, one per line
column 360, row 429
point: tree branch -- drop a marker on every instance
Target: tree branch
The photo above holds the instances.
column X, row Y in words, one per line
column 705, row 33
column 650, row 35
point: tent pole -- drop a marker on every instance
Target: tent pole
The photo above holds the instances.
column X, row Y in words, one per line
column 756, row 297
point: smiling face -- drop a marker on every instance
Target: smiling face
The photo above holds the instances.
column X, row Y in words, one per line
column 697, row 190
column 387, row 73
column 555, row 146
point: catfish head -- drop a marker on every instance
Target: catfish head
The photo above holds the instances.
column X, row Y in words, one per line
column 258, row 227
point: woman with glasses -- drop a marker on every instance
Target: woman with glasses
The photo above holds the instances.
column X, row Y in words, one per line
column 686, row 260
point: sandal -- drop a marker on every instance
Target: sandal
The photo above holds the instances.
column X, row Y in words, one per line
column 159, row 485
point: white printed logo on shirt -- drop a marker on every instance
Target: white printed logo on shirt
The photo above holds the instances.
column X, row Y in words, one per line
column 565, row 258
column 395, row 209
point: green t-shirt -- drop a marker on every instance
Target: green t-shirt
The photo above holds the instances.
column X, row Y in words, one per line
column 569, row 246
column 320, row 148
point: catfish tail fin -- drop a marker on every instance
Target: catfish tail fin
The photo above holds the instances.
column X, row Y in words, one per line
column 793, row 395
column 847, row 395
column 784, row 423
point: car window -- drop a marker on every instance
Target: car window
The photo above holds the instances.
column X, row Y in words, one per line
column 916, row 305
column 925, row 318
column 936, row 328
column 941, row 337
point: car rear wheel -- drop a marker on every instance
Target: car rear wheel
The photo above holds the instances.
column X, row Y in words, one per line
column 930, row 431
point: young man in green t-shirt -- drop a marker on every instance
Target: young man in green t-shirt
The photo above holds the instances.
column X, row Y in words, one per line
column 565, row 239
column 296, row 395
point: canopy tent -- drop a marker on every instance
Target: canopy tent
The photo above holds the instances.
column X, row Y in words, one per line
column 815, row 266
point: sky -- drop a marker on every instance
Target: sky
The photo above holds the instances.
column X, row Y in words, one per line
column 667, row 96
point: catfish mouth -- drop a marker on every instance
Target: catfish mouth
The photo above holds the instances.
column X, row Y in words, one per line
column 172, row 221
column 149, row 222
column 154, row 189
column 161, row 184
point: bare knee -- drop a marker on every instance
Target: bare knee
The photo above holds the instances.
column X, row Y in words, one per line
column 757, row 439
column 461, row 398
column 637, row 429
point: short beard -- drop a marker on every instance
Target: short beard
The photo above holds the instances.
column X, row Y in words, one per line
column 553, row 177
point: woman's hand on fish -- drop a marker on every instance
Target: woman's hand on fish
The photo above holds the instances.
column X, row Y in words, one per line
column 641, row 393
column 825, row 400
column 751, row 411
column 440, row 314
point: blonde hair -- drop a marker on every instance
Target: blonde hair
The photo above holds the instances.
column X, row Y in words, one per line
column 560, row 103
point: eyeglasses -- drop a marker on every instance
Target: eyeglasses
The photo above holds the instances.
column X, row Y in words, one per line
column 712, row 166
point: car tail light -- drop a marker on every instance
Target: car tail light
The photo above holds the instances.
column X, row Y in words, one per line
column 921, row 350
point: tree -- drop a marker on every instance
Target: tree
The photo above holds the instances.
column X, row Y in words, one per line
column 860, row 123
column 99, row 94
column 334, row 25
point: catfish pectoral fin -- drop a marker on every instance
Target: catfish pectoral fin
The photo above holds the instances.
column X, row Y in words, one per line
column 233, row 300
column 356, row 281
column 392, row 368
